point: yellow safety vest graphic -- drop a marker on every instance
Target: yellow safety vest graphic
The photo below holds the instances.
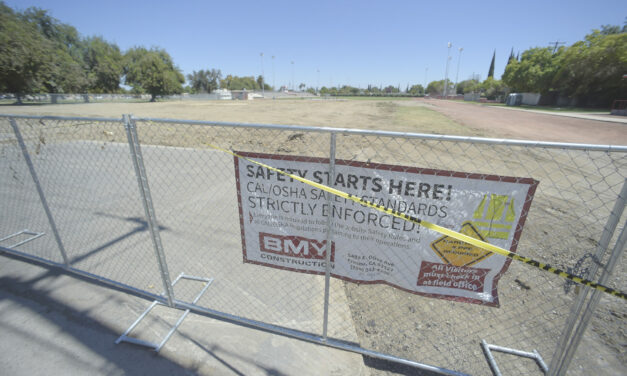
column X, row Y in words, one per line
column 494, row 218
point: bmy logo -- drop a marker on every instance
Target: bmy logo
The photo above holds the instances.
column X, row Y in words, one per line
column 295, row 246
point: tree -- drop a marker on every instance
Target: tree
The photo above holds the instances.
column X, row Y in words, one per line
column 494, row 89
column 259, row 81
column 105, row 65
column 591, row 70
column 491, row 70
column 468, row 86
column 67, row 73
column 534, row 72
column 435, row 87
column 239, row 83
column 25, row 55
column 416, row 90
column 153, row 72
column 204, row 81
column 510, row 58
column 302, row 86
column 43, row 54
column 611, row 29
column 391, row 89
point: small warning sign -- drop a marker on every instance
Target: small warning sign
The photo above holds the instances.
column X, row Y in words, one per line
column 459, row 253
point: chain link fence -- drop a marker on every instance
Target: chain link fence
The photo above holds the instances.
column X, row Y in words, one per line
column 205, row 201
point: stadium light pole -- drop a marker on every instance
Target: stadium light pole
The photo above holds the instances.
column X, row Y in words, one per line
column 292, row 75
column 448, row 59
column 459, row 59
column 318, row 81
column 273, row 87
column 263, row 92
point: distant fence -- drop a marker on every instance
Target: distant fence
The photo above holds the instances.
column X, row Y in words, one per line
column 105, row 98
column 288, row 259
column 73, row 98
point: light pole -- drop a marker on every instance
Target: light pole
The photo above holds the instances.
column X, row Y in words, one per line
column 448, row 59
column 459, row 59
column 273, row 87
column 318, row 81
column 292, row 75
column 263, row 91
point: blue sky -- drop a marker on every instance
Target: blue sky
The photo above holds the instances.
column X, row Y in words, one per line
column 349, row 42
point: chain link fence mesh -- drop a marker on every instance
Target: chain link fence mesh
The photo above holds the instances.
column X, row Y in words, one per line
column 195, row 196
column 576, row 191
column 88, row 180
column 20, row 205
column 87, row 176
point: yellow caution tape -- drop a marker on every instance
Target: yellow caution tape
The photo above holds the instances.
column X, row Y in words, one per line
column 442, row 230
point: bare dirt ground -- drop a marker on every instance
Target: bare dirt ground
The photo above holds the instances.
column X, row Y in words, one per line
column 567, row 215
column 447, row 117
column 496, row 122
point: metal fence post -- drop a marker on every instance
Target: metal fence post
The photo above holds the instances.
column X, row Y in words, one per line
column 566, row 343
column 596, row 296
column 42, row 197
column 329, row 247
column 151, row 218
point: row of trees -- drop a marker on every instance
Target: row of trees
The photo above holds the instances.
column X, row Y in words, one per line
column 41, row 54
column 490, row 88
column 347, row 90
column 590, row 71
column 206, row 81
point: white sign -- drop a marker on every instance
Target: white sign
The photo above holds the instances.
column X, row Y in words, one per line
column 284, row 223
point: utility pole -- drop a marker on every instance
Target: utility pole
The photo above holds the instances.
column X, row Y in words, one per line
column 555, row 44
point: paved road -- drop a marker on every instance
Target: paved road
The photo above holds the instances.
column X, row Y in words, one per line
column 596, row 116
column 54, row 324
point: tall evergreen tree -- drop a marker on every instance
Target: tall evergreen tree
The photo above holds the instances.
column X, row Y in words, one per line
column 511, row 58
column 491, row 71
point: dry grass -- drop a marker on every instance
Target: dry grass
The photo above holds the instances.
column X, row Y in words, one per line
column 389, row 115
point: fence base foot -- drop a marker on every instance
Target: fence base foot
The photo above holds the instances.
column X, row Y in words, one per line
column 487, row 350
column 33, row 236
column 157, row 346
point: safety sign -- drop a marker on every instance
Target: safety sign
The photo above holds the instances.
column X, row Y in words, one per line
column 288, row 225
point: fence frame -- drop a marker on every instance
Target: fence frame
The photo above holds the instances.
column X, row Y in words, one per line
column 149, row 209
column 572, row 332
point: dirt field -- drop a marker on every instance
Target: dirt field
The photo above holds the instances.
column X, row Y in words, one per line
column 421, row 116
column 502, row 122
column 567, row 216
